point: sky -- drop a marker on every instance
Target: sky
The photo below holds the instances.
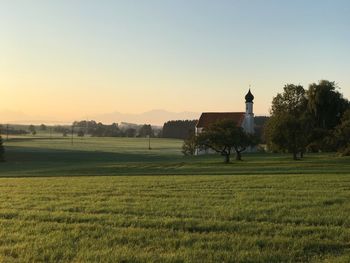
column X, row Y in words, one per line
column 69, row 59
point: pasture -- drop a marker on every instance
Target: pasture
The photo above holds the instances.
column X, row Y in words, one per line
column 113, row 200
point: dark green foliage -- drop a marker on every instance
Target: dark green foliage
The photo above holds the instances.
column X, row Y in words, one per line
column 326, row 104
column 146, row 130
column 130, row 132
column 43, row 127
column 287, row 133
column 189, row 146
column 81, row 133
column 179, row 129
column 341, row 135
column 61, row 129
column 223, row 137
column 293, row 101
column 288, row 128
column 98, row 129
column 32, row 129
column 326, row 107
column 2, row 150
column 259, row 126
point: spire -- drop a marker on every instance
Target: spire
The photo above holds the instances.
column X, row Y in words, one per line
column 249, row 97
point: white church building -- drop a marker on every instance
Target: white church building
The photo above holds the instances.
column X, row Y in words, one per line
column 242, row 119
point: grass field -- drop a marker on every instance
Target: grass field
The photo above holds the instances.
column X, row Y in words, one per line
column 113, row 200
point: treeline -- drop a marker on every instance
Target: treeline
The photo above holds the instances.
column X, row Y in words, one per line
column 99, row 129
column 11, row 130
column 179, row 129
column 312, row 120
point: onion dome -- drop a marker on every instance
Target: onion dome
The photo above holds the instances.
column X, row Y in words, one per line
column 249, row 97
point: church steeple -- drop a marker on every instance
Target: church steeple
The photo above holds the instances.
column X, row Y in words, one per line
column 249, row 114
column 249, row 97
column 249, row 103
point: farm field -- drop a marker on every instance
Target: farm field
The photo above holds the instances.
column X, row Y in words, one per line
column 113, row 200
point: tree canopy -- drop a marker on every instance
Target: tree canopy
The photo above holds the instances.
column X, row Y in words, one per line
column 224, row 137
column 306, row 119
column 179, row 129
column 287, row 129
column 341, row 135
column 326, row 104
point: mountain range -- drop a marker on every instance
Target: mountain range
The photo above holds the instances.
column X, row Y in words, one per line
column 154, row 117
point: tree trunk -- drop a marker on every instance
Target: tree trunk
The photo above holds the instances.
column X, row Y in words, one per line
column 227, row 158
column 238, row 156
column 295, row 157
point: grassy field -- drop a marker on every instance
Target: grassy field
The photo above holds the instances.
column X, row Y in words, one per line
column 57, row 204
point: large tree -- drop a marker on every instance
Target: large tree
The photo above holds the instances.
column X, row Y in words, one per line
column 32, row 129
column 326, row 104
column 287, row 129
column 179, row 129
column 326, row 107
column 189, row 145
column 224, row 137
column 341, row 135
column 146, row 130
column 285, row 132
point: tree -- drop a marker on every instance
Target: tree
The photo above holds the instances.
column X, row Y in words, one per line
column 43, row 127
column 223, row 137
column 285, row 132
column 179, row 129
column 31, row 129
column 341, row 135
column 326, row 106
column 80, row 133
column 287, row 129
column 2, row 151
column 130, row 132
column 189, row 145
column 146, row 130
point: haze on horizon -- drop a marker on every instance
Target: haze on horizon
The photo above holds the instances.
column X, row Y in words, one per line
column 66, row 60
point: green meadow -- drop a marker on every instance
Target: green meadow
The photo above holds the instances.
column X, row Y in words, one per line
column 113, row 200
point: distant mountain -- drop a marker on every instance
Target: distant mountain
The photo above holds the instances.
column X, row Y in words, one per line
column 17, row 117
column 155, row 117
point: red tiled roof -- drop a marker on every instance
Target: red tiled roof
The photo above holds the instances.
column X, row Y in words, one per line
column 208, row 118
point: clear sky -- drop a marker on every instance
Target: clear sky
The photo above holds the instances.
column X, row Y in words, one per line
column 78, row 58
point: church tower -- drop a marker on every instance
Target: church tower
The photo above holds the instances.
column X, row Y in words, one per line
column 249, row 115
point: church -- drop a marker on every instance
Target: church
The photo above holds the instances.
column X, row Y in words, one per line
column 242, row 119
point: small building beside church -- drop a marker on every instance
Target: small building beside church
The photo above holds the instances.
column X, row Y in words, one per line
column 242, row 119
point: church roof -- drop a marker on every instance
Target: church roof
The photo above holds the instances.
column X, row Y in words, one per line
column 209, row 118
column 249, row 97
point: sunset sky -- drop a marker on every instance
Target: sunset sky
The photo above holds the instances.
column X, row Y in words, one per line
column 68, row 59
